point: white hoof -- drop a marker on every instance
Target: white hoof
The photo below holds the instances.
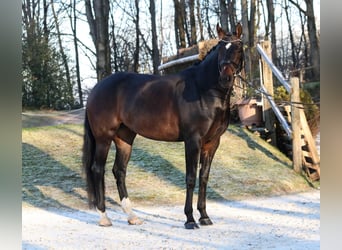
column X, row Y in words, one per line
column 104, row 220
column 127, row 208
column 134, row 220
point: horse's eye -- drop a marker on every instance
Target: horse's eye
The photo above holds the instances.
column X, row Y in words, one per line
column 228, row 45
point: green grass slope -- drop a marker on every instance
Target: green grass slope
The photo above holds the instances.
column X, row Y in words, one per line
column 244, row 166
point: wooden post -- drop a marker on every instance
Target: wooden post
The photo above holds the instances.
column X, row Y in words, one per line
column 268, row 84
column 296, row 125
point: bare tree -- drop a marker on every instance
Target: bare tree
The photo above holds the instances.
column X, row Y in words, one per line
column 97, row 16
column 232, row 13
column 179, row 23
column 314, row 44
column 224, row 15
column 246, row 37
column 73, row 25
column 137, row 38
column 61, row 47
column 45, row 81
column 199, row 19
column 313, row 39
column 206, row 4
column 271, row 22
column 193, row 30
column 293, row 45
column 155, row 49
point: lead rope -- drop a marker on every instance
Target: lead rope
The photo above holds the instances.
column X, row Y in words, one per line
column 266, row 94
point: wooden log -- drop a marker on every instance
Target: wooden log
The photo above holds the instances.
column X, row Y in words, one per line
column 187, row 56
column 205, row 46
column 178, row 61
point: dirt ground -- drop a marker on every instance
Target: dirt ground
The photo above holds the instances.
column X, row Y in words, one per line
column 51, row 118
column 285, row 222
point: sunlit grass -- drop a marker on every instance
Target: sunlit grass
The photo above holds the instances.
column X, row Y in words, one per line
column 244, row 166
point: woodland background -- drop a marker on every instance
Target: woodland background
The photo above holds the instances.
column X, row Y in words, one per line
column 68, row 45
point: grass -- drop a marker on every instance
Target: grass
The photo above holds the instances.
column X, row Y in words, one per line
column 244, row 166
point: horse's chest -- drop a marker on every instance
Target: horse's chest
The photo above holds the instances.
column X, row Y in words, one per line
column 217, row 125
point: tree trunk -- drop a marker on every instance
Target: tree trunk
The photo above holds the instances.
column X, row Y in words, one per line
column 179, row 24
column 314, row 44
column 232, row 13
column 247, row 53
column 161, row 29
column 45, row 63
column 155, row 50
column 193, row 39
column 306, row 52
column 252, row 28
column 199, row 19
column 99, row 33
column 114, row 44
column 137, row 39
column 61, row 49
column 73, row 22
column 293, row 45
column 271, row 20
column 207, row 19
column 224, row 15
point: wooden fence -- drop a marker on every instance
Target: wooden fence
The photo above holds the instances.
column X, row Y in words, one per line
column 304, row 152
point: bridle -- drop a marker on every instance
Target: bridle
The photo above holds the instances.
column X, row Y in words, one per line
column 224, row 79
column 237, row 67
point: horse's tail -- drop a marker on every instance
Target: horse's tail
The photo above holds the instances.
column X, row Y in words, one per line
column 88, row 160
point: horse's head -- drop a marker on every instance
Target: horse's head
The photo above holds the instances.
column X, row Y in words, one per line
column 230, row 55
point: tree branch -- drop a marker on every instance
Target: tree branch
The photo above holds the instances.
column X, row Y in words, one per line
column 297, row 5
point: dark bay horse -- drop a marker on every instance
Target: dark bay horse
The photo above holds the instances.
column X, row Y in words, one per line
column 190, row 106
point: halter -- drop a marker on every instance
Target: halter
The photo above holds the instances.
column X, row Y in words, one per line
column 236, row 66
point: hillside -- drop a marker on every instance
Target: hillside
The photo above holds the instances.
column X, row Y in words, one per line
column 244, row 166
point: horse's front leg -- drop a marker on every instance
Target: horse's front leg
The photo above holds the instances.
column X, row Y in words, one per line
column 207, row 155
column 192, row 150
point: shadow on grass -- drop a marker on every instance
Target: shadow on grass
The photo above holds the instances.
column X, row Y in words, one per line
column 48, row 184
column 254, row 145
column 166, row 171
column 69, row 129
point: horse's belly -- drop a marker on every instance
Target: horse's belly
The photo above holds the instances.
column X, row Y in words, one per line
column 155, row 127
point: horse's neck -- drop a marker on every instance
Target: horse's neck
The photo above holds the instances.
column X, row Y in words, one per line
column 208, row 71
column 207, row 79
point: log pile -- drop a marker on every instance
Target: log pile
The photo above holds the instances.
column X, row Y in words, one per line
column 201, row 49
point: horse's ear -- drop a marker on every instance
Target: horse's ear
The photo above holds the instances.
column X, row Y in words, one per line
column 238, row 30
column 220, row 31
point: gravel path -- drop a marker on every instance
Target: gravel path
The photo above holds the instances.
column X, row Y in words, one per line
column 285, row 222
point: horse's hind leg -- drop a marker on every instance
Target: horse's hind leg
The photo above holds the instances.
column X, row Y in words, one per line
column 123, row 142
column 98, row 171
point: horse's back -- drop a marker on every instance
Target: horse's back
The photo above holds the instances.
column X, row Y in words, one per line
column 146, row 104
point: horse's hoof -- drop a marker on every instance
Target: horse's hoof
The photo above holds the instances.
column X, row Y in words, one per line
column 205, row 221
column 105, row 222
column 191, row 225
column 134, row 221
